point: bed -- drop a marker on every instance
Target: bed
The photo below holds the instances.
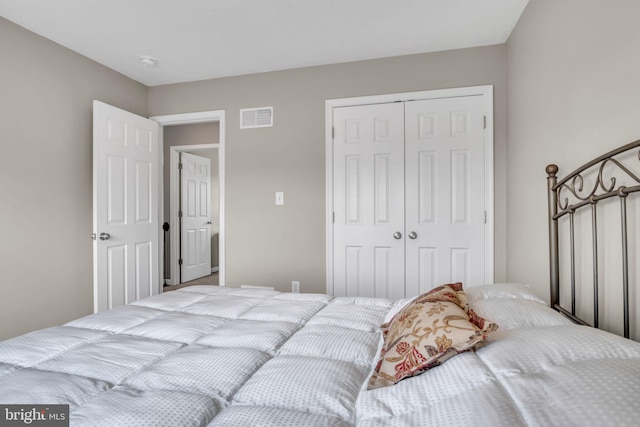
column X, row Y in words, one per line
column 219, row 356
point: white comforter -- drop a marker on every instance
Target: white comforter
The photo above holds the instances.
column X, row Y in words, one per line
column 218, row 356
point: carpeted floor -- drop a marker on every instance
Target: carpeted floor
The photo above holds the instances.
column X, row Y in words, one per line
column 211, row 279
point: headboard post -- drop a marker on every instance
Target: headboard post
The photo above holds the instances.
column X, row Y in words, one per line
column 554, row 263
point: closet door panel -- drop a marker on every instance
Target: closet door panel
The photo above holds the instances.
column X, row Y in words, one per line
column 368, row 179
column 444, row 166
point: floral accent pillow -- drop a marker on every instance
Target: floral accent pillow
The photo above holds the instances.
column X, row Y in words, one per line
column 427, row 332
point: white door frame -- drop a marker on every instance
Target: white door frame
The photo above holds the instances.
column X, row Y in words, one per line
column 185, row 119
column 174, row 204
column 487, row 93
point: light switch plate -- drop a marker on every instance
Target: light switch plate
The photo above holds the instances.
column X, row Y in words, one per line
column 279, row 198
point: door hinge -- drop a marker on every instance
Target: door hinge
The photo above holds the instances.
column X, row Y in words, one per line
column 333, row 132
column 484, row 122
column 485, row 217
column 179, row 214
column 334, row 217
column 179, row 166
column 180, row 261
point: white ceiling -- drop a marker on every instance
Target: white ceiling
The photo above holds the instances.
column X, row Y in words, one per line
column 203, row 39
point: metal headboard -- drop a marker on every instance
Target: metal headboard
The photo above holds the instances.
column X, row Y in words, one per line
column 560, row 205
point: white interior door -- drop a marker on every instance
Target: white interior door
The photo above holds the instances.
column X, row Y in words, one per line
column 369, row 200
column 445, row 193
column 125, row 196
column 409, row 196
column 195, row 221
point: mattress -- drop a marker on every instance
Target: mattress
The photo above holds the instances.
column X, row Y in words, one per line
column 217, row 356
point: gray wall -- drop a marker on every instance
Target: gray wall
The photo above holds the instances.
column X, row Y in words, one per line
column 572, row 72
column 574, row 91
column 194, row 134
column 273, row 245
column 46, row 94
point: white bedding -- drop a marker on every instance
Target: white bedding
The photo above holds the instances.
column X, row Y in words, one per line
column 216, row 356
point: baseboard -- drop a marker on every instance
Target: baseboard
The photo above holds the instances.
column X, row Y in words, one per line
column 215, row 269
column 256, row 287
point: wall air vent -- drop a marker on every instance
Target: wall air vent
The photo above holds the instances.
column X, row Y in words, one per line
column 256, row 117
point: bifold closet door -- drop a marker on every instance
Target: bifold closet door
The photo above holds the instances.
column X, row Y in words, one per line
column 369, row 201
column 445, row 192
column 409, row 196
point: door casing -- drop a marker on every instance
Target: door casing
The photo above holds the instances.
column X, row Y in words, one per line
column 487, row 94
column 185, row 119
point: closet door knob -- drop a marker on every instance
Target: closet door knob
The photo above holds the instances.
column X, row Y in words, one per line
column 105, row 236
column 397, row 235
column 413, row 235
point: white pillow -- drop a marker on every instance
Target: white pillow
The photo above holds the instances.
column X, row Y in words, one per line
column 501, row 291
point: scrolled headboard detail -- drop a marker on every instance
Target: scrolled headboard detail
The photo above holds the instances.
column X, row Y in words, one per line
column 614, row 174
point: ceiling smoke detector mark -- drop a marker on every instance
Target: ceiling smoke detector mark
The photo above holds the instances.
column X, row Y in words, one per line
column 261, row 117
column 148, row 61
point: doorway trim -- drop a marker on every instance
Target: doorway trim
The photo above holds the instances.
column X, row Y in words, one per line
column 485, row 91
column 185, row 119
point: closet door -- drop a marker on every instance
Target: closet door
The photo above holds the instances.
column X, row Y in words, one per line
column 445, row 193
column 368, row 176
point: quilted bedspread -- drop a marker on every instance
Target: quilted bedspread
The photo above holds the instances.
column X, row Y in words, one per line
column 216, row 356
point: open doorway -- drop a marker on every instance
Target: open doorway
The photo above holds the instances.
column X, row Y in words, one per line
column 200, row 134
column 192, row 211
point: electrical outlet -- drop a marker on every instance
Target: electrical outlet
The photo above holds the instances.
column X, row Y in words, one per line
column 295, row 286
